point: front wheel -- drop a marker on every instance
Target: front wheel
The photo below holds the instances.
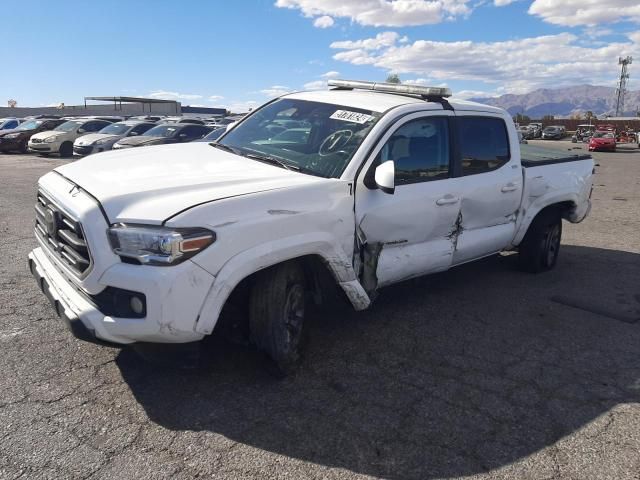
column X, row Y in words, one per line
column 276, row 314
column 540, row 247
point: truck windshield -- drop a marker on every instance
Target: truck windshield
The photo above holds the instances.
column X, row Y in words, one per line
column 311, row 137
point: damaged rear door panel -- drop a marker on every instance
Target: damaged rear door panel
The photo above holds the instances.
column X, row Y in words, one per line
column 491, row 183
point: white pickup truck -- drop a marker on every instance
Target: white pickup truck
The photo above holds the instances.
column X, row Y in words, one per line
column 376, row 184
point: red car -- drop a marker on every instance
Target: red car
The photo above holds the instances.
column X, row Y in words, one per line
column 602, row 141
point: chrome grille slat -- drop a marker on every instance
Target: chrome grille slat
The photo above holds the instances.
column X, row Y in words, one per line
column 62, row 235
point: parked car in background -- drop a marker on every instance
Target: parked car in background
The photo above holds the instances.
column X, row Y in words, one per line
column 9, row 123
column 182, row 120
column 17, row 139
column 526, row 132
column 60, row 139
column 165, row 133
column 147, row 118
column 602, row 141
column 105, row 138
column 537, row 129
column 552, row 133
column 583, row 133
column 214, row 135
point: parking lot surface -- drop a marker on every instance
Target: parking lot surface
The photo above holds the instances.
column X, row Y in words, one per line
column 481, row 372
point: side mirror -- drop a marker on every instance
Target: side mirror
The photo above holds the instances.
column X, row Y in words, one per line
column 82, row 130
column 182, row 136
column 133, row 134
column 385, row 177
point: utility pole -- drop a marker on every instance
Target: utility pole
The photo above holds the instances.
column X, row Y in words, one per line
column 622, row 85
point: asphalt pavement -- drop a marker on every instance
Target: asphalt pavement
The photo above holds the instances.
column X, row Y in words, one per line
column 480, row 372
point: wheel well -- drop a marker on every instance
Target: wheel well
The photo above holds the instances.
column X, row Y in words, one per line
column 563, row 209
column 322, row 286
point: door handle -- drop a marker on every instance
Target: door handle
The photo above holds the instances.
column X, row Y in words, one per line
column 447, row 200
column 509, row 187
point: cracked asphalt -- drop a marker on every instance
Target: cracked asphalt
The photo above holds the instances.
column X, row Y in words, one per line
column 480, row 372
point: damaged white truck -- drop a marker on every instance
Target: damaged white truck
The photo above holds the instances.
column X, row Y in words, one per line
column 357, row 187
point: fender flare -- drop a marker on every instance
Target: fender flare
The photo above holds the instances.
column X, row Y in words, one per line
column 268, row 254
column 545, row 202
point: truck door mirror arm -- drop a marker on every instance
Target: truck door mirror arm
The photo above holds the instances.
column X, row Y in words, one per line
column 385, row 177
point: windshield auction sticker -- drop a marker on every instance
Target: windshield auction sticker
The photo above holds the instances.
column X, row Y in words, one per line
column 347, row 116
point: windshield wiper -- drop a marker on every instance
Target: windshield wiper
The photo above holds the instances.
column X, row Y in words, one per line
column 222, row 146
column 272, row 161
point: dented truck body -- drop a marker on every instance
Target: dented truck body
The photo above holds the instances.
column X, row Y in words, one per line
column 262, row 215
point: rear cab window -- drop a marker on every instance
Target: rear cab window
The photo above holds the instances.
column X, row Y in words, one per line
column 484, row 144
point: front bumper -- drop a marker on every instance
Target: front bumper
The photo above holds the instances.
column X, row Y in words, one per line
column 82, row 150
column 44, row 147
column 174, row 296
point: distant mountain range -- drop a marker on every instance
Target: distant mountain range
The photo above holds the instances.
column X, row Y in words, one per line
column 565, row 101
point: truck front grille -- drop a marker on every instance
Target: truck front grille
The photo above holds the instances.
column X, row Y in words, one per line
column 62, row 235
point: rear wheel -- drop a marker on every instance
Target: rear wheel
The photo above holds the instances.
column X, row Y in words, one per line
column 66, row 149
column 276, row 314
column 540, row 247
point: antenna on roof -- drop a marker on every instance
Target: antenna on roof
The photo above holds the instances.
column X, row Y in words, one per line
column 425, row 92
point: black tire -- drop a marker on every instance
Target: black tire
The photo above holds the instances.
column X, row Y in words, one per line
column 24, row 147
column 276, row 315
column 540, row 247
column 66, row 149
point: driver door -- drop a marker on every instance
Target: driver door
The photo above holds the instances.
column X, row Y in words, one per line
column 409, row 233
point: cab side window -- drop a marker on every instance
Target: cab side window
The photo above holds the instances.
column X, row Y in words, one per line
column 484, row 143
column 419, row 150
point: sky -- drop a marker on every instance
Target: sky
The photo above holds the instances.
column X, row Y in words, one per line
column 239, row 54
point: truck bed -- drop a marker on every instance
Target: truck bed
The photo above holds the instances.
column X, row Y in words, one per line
column 533, row 156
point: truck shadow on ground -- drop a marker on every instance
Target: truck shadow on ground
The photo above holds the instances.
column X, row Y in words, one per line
column 448, row 375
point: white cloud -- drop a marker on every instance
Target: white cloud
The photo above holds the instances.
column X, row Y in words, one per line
column 275, row 91
column 381, row 40
column 585, row 12
column 316, row 85
column 392, row 13
column 518, row 65
column 324, row 21
column 503, row 3
column 416, row 81
column 331, row 74
column 166, row 95
column 215, row 98
column 466, row 94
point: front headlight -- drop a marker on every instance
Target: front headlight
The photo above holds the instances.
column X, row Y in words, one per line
column 161, row 246
column 50, row 139
column 12, row 135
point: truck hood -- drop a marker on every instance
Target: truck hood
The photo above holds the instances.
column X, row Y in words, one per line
column 149, row 185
